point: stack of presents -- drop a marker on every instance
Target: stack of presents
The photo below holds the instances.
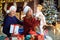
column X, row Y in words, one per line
column 17, row 34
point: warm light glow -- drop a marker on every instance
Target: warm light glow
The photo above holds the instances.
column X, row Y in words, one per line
column 58, row 27
column 58, row 30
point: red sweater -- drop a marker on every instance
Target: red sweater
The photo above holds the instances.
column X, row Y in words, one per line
column 29, row 24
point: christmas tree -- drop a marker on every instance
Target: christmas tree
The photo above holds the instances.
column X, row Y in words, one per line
column 50, row 11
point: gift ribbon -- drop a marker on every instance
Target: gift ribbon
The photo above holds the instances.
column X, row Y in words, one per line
column 14, row 28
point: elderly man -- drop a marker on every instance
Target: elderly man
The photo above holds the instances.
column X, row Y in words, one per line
column 10, row 19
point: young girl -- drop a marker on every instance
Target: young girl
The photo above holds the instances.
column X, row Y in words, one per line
column 29, row 21
column 41, row 17
column 10, row 19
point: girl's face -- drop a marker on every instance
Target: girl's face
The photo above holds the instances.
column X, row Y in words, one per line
column 30, row 13
column 12, row 13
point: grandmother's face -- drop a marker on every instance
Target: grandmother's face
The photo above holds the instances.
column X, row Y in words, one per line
column 30, row 12
column 13, row 12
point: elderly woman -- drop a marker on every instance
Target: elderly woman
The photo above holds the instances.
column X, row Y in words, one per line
column 29, row 21
column 10, row 19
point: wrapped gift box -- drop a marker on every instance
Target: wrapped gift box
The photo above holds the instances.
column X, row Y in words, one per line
column 19, row 37
column 21, row 30
column 32, row 32
column 6, row 38
column 40, row 37
column 14, row 38
column 14, row 29
column 35, row 36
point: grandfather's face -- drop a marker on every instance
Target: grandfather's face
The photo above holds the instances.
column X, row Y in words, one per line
column 12, row 13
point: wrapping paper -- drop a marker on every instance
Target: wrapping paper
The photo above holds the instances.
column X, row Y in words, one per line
column 14, row 29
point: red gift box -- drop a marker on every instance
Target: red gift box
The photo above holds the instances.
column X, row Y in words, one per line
column 32, row 32
column 6, row 38
column 40, row 37
column 36, row 36
column 19, row 37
